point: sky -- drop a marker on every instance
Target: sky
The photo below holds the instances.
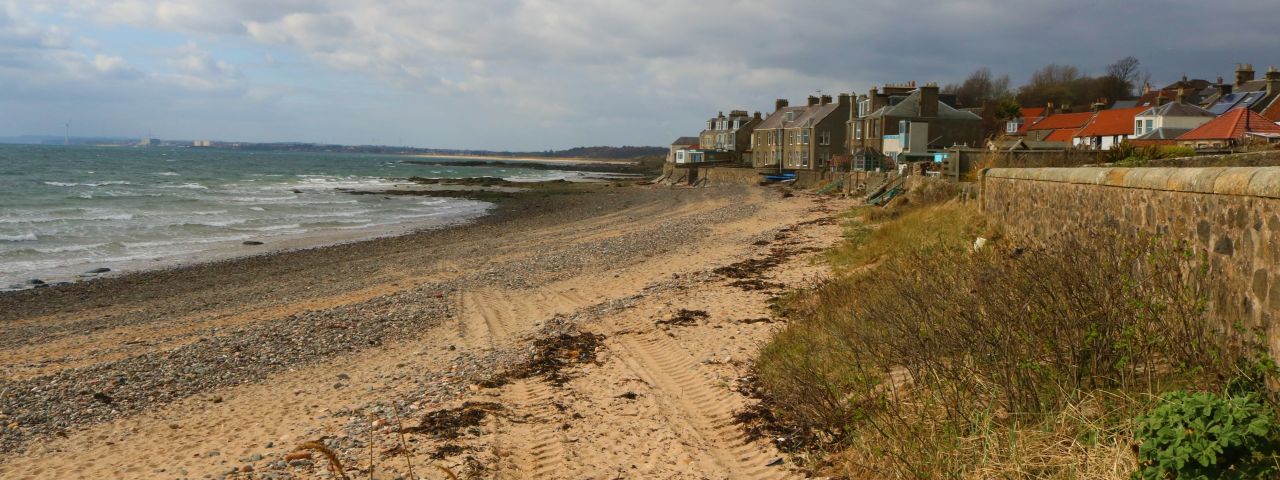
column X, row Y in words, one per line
column 548, row 74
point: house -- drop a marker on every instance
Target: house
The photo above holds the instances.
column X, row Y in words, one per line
column 802, row 137
column 1163, row 124
column 1059, row 127
column 730, row 134
column 1107, row 128
column 1017, row 126
column 1230, row 130
column 914, row 125
column 1258, row 95
column 681, row 144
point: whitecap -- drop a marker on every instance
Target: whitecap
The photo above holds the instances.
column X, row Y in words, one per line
column 22, row 237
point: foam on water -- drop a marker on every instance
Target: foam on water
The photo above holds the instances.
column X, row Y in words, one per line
column 64, row 210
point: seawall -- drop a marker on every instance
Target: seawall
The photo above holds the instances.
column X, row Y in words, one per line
column 1230, row 213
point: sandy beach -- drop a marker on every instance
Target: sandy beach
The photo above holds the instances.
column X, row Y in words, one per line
column 599, row 333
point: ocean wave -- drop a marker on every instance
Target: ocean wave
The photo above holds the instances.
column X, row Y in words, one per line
column 192, row 186
column 87, row 184
column 261, row 199
column 270, row 228
column 22, row 237
column 181, row 241
column 167, row 174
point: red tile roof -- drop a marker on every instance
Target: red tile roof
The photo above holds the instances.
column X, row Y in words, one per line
column 1030, row 116
column 1272, row 112
column 1062, row 120
column 1117, row 121
column 1061, row 135
column 1232, row 125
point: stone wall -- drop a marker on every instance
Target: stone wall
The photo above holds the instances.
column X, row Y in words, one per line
column 1230, row 213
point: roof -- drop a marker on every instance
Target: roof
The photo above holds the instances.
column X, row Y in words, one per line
column 1062, row 120
column 804, row 115
column 910, row 107
column 682, row 141
column 1032, row 112
column 1163, row 133
column 1176, row 110
column 1116, row 121
column 1233, row 100
column 1061, row 135
column 1232, row 125
column 1272, row 112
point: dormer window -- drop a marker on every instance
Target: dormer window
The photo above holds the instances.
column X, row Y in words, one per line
column 790, row 116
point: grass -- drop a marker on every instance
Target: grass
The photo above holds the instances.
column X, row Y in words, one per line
column 924, row 358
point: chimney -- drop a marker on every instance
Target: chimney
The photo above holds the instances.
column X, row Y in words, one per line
column 1099, row 104
column 813, row 100
column 1182, row 96
column 929, row 100
column 846, row 99
column 825, row 100
column 757, row 115
column 1244, row 73
column 780, row 104
column 1160, row 99
column 1048, row 109
column 1273, row 81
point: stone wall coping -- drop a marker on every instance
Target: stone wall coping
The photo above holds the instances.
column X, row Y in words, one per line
column 1246, row 181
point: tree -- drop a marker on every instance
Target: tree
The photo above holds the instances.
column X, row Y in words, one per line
column 979, row 87
column 1008, row 109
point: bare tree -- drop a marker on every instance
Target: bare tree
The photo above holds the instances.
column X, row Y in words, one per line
column 980, row 87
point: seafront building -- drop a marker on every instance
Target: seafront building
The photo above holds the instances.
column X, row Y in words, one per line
column 804, row 137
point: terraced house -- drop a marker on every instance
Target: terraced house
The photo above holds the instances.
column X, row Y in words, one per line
column 730, row 134
column 803, row 137
column 904, row 121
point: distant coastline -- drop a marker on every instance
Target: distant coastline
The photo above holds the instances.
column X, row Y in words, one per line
column 525, row 159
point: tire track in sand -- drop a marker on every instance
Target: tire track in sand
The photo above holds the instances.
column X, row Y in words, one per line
column 542, row 455
column 689, row 399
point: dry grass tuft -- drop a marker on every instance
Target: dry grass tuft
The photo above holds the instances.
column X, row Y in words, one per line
column 335, row 465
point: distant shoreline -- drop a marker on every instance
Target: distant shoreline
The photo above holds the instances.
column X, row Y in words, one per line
column 546, row 160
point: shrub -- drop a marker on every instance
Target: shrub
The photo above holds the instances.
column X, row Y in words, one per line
column 1203, row 435
column 938, row 344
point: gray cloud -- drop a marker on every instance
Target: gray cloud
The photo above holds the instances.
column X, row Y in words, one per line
column 554, row 73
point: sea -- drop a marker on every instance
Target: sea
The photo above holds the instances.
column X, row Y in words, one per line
column 69, row 210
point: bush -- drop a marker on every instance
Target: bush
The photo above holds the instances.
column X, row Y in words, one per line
column 939, row 344
column 1203, row 435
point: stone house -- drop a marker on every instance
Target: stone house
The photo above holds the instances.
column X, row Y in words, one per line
column 906, row 120
column 730, row 134
column 803, row 137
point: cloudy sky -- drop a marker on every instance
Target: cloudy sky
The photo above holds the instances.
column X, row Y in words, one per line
column 543, row 74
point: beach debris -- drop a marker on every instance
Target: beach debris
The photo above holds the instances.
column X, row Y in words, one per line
column 450, row 423
column 35, row 281
column 629, row 395
column 551, row 357
column 251, row 242
column 98, row 270
column 685, row 318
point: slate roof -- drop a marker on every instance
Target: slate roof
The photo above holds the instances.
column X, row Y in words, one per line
column 686, row 141
column 1058, row 121
column 1116, row 121
column 910, row 107
column 804, row 115
column 1235, row 99
column 1232, row 125
column 1176, row 110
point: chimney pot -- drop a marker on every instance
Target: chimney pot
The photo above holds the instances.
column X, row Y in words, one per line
column 780, row 104
column 825, row 100
column 813, row 100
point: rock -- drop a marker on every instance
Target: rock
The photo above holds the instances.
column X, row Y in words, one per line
column 343, row 376
column 775, row 462
column 251, row 242
column 246, row 468
column 99, row 270
column 35, row 281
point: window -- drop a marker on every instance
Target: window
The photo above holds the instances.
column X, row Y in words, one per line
column 804, row 136
column 1150, row 123
column 1137, row 127
column 1013, row 125
column 863, row 106
column 857, row 130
